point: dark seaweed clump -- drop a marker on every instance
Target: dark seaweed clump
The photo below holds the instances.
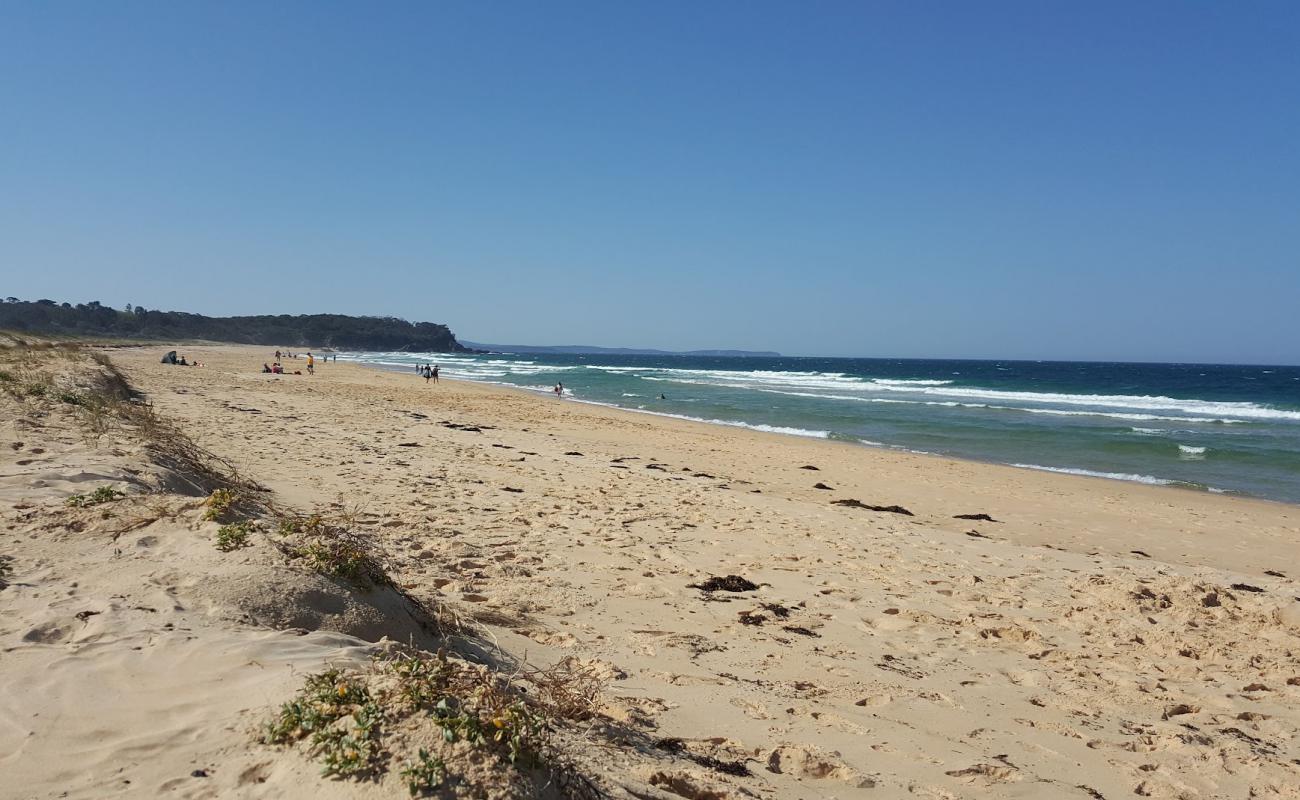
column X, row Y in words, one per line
column 730, row 583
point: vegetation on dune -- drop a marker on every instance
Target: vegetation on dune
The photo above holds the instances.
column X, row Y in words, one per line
column 234, row 536
column 338, row 331
column 354, row 720
column 219, row 503
column 330, row 546
column 433, row 722
column 104, row 494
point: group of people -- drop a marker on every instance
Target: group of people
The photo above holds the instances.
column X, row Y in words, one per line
column 171, row 358
column 310, row 359
column 427, row 371
column 275, row 368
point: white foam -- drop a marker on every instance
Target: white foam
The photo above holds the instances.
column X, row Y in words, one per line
column 1119, row 476
column 775, row 381
column 1213, row 408
column 728, row 422
column 1062, row 412
column 900, row 382
column 1188, row 451
column 839, row 386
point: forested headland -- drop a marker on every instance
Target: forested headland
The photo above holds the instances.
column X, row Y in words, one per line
column 336, row 331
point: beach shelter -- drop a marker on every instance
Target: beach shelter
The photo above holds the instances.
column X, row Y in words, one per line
column 170, row 358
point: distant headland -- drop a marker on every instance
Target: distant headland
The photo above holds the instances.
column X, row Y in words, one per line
column 334, row 331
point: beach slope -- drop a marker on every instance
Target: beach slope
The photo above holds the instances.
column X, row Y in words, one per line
column 770, row 616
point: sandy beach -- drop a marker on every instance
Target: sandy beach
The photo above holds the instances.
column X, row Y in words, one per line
column 907, row 625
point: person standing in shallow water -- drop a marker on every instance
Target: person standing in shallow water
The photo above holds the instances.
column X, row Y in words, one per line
column 559, row 390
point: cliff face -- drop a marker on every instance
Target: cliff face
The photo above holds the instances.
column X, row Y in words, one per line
column 336, row 331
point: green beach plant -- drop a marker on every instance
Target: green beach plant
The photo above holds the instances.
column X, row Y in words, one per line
column 219, row 503
column 234, row 536
column 344, row 717
column 104, row 494
column 425, row 774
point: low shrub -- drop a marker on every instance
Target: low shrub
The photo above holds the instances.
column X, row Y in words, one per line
column 104, row 494
column 234, row 536
column 219, row 503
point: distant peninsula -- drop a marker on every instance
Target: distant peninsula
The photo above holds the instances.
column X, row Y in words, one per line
column 333, row 331
column 590, row 350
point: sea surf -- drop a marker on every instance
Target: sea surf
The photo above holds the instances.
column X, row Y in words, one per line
column 1222, row 428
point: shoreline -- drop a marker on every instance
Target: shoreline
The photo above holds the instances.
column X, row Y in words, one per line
column 819, row 618
column 1156, row 482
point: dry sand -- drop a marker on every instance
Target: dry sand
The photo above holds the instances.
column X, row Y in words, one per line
column 1088, row 643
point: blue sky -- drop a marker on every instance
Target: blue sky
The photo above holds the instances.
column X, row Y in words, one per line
column 955, row 179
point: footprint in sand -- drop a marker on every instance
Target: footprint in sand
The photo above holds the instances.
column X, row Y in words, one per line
column 986, row 773
column 752, row 709
column 806, row 762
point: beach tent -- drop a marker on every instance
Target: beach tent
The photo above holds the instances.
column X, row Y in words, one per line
column 170, row 358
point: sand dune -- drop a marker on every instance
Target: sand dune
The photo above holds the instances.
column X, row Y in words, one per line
column 1095, row 639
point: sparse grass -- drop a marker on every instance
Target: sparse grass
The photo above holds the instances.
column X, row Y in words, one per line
column 219, row 503
column 104, row 494
column 172, row 448
column 234, row 536
column 91, row 390
column 23, row 378
column 567, row 690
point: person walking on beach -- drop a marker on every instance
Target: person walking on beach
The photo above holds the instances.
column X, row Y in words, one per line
column 559, row 389
column 311, row 364
column 435, row 373
column 428, row 373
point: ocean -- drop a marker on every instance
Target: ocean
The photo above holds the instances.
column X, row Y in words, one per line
column 1216, row 428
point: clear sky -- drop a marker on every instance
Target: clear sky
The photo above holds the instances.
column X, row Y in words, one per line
column 945, row 179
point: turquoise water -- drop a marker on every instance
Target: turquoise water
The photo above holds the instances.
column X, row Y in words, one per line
column 1218, row 428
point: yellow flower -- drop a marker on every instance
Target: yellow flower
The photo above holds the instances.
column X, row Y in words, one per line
column 343, row 690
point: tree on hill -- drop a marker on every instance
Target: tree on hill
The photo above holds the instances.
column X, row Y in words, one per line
column 336, row 331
